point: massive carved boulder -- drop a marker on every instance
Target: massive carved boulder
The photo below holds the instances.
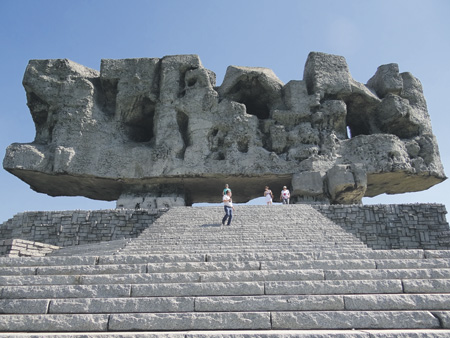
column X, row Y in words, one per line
column 157, row 131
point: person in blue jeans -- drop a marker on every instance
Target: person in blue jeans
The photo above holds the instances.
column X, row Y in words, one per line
column 228, row 206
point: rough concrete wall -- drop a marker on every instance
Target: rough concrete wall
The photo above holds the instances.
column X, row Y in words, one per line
column 67, row 228
column 393, row 226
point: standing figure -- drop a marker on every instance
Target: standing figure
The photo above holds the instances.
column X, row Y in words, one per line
column 227, row 188
column 268, row 195
column 228, row 206
column 285, row 195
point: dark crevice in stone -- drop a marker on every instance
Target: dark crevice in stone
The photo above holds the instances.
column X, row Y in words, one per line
column 140, row 128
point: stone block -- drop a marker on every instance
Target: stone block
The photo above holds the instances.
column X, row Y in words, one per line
column 354, row 320
column 65, row 291
column 427, row 286
column 53, row 323
column 190, row 321
column 269, row 303
column 198, row 289
column 333, row 287
column 396, row 302
column 122, row 305
column 23, row 306
column 307, row 183
column 320, row 264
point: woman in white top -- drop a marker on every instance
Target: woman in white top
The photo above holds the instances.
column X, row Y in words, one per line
column 268, row 195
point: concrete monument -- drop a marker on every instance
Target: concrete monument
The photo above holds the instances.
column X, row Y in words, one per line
column 154, row 132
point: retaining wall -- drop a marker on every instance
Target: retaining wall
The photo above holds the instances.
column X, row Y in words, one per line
column 393, row 226
column 75, row 227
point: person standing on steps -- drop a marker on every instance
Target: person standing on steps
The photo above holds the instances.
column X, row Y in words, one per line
column 268, row 195
column 227, row 188
column 285, row 195
column 228, row 206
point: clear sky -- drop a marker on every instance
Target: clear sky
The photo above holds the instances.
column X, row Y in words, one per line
column 276, row 34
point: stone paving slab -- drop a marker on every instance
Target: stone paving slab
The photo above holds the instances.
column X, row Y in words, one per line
column 413, row 263
column 24, row 306
column 387, row 274
column 355, row 319
column 151, row 258
column 397, row 302
column 372, row 254
column 262, row 275
column 333, row 287
column 437, row 253
column 426, row 286
column 191, row 321
column 65, row 291
column 203, row 266
column 320, row 264
column 268, row 303
column 444, row 317
column 198, row 289
column 122, row 305
column 258, row 256
column 54, row 323
column 39, row 280
column 90, row 270
column 20, row 271
column 143, row 278
column 43, row 261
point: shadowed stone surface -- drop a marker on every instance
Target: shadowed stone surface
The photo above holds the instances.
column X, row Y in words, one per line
column 157, row 132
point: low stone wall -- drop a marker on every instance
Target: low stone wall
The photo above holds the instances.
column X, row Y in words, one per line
column 75, row 227
column 24, row 248
column 393, row 226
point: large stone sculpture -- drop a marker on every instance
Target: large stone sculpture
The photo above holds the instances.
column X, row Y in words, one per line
column 157, row 131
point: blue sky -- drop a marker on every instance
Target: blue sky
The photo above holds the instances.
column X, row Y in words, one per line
column 275, row 34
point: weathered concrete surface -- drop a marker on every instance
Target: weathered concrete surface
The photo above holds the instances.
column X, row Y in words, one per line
column 155, row 132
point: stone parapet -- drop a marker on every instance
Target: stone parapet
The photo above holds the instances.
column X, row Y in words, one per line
column 77, row 227
column 393, row 226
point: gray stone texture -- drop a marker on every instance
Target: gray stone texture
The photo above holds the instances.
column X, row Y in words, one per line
column 163, row 134
column 313, row 279
column 354, row 319
column 402, row 226
column 75, row 228
column 52, row 323
column 393, row 226
column 190, row 321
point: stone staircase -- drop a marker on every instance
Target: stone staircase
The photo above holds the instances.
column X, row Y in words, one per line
column 280, row 271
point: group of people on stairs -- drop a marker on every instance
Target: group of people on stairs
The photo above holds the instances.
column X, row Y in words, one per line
column 268, row 195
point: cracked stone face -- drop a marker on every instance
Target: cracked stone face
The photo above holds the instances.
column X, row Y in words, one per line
column 157, row 132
